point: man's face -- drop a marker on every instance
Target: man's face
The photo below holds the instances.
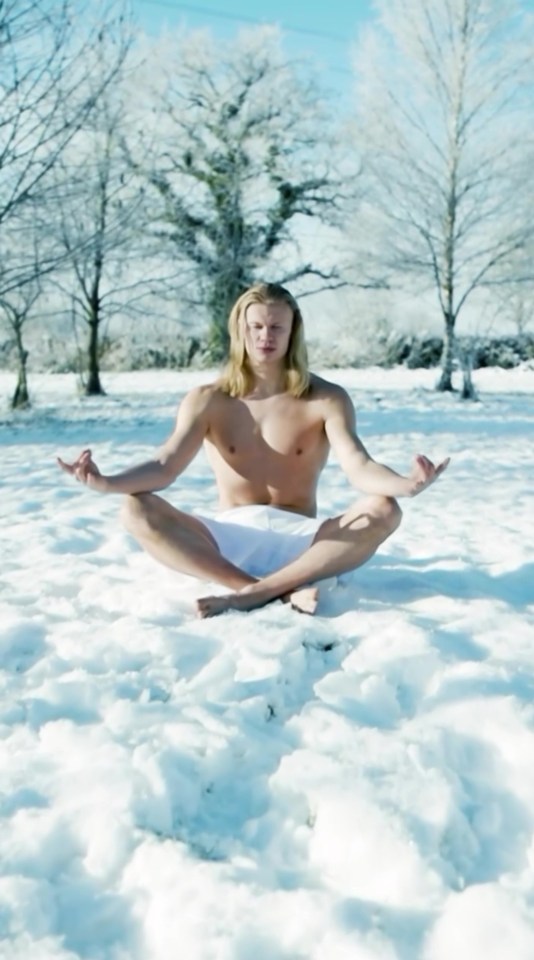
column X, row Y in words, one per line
column 267, row 331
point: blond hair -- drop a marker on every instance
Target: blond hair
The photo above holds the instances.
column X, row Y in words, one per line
column 237, row 378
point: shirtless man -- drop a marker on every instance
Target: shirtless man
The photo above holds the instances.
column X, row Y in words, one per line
column 267, row 426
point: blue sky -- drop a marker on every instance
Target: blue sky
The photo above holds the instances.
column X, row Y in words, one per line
column 323, row 30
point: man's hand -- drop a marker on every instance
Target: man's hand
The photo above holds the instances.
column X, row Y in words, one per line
column 85, row 470
column 424, row 473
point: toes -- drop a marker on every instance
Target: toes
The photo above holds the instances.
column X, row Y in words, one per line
column 210, row 606
column 305, row 600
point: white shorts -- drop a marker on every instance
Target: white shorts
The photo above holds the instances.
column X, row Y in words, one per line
column 260, row 539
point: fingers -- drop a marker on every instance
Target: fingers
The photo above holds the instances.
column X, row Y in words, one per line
column 443, row 466
column 67, row 467
column 81, row 467
column 429, row 470
column 425, row 465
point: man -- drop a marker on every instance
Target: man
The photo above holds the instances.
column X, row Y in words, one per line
column 267, row 426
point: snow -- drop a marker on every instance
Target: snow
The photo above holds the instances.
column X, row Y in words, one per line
column 268, row 786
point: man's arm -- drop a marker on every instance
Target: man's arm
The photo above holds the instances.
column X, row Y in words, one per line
column 173, row 457
column 362, row 471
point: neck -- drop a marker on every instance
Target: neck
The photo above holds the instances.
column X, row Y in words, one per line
column 267, row 380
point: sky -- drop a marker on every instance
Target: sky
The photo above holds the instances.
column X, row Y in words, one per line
column 357, row 785
column 323, row 32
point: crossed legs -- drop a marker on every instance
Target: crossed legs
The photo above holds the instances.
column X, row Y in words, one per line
column 183, row 543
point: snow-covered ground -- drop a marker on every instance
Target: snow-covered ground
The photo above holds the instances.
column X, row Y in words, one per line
column 267, row 786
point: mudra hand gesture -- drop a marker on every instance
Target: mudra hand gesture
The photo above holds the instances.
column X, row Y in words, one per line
column 85, row 470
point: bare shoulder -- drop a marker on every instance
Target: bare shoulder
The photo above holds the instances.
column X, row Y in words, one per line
column 332, row 395
column 199, row 404
column 202, row 397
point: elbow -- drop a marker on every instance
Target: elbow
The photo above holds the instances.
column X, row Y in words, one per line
column 166, row 476
column 166, row 472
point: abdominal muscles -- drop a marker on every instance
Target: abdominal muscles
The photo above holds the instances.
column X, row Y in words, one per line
column 253, row 476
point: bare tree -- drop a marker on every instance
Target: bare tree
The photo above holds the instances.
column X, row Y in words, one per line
column 95, row 222
column 23, row 248
column 47, row 56
column 241, row 152
column 16, row 309
column 518, row 307
column 42, row 58
column 446, row 120
column 514, row 301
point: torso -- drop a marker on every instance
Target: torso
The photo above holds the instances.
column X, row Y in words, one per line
column 270, row 450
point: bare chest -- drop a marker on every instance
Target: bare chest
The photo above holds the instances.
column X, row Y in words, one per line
column 266, row 441
column 254, row 427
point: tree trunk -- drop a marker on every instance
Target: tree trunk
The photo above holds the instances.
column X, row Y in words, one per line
column 21, row 396
column 222, row 297
column 444, row 383
column 466, row 355
column 218, row 339
column 468, row 388
column 93, row 386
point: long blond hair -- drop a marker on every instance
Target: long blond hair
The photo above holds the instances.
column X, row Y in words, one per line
column 237, row 378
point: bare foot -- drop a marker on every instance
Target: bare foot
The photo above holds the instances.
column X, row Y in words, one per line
column 305, row 599
column 213, row 606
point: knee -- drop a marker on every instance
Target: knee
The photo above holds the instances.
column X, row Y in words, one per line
column 136, row 514
column 388, row 514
